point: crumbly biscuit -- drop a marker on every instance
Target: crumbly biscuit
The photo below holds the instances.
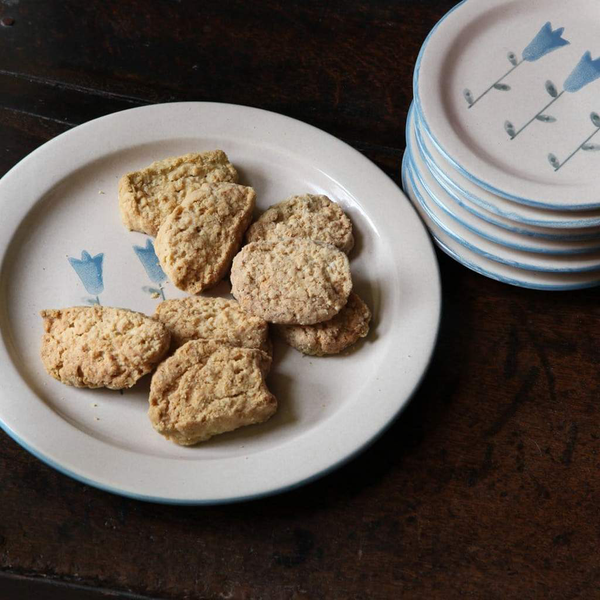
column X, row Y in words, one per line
column 207, row 388
column 99, row 346
column 196, row 242
column 333, row 336
column 306, row 216
column 200, row 318
column 148, row 196
column 293, row 281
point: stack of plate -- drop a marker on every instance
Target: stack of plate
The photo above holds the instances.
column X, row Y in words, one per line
column 502, row 158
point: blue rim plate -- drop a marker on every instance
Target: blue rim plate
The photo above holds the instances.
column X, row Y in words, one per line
column 535, row 280
column 501, row 144
column 61, row 203
column 456, row 211
column 493, row 251
column 500, row 211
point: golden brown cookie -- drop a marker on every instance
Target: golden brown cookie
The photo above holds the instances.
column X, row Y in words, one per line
column 333, row 336
column 196, row 242
column 207, row 388
column 306, row 216
column 217, row 319
column 99, row 346
column 295, row 281
column 148, row 196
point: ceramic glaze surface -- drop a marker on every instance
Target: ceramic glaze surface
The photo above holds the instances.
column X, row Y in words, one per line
column 488, row 267
column 509, row 93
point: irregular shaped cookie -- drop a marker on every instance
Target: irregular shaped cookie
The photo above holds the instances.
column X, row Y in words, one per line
column 207, row 388
column 148, row 196
column 197, row 241
column 295, row 281
column 333, row 336
column 100, row 346
column 198, row 318
column 306, row 216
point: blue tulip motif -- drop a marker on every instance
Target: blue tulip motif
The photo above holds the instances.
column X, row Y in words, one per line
column 149, row 260
column 585, row 72
column 547, row 40
column 89, row 270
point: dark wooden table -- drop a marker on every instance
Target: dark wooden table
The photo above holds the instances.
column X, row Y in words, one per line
column 488, row 485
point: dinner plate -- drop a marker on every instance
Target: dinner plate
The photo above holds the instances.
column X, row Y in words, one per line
column 572, row 223
column 495, row 251
column 453, row 209
column 537, row 280
column 508, row 90
column 62, row 244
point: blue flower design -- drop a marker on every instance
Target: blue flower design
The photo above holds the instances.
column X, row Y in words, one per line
column 89, row 270
column 586, row 71
column 544, row 42
column 149, row 260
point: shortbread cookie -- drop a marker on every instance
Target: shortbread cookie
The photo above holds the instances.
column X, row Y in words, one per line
column 295, row 281
column 333, row 336
column 196, row 242
column 148, row 196
column 99, row 346
column 207, row 388
column 306, row 216
column 199, row 318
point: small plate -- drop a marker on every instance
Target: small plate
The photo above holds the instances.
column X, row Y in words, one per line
column 537, row 280
column 494, row 251
column 61, row 201
column 433, row 190
column 570, row 222
column 514, row 217
column 509, row 92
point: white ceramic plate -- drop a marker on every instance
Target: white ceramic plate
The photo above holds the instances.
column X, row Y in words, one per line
column 509, row 91
column 62, row 200
column 537, row 280
column 495, row 251
column 449, row 205
column 520, row 218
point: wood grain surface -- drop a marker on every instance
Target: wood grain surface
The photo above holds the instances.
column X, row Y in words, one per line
column 487, row 487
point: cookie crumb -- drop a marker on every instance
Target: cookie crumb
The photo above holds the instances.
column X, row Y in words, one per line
column 100, row 192
column 155, row 295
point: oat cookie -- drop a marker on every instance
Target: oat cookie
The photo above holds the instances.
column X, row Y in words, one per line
column 99, row 346
column 148, row 196
column 306, row 216
column 207, row 388
column 199, row 318
column 333, row 336
column 294, row 281
column 197, row 241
